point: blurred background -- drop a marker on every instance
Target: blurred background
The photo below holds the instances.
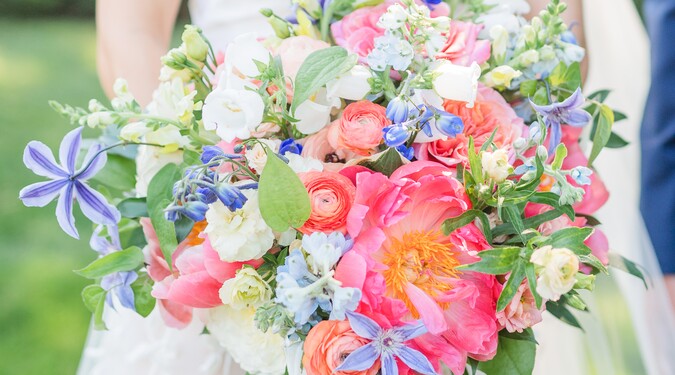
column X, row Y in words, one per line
column 47, row 51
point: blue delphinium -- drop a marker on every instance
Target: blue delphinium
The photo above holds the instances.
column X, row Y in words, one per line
column 68, row 183
column 566, row 112
column 290, row 145
column 397, row 110
column 118, row 283
column 448, row 124
column 387, row 345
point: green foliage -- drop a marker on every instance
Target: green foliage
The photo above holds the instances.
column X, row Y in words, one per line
column 284, row 201
column 571, row 238
column 514, row 357
column 133, row 208
column 603, row 132
column 125, row 260
column 319, row 68
column 143, row 300
column 34, row 8
column 386, row 162
column 159, row 197
column 466, row 218
column 560, row 311
column 93, row 297
column 119, row 173
column 619, row 262
column 566, row 77
column 516, row 277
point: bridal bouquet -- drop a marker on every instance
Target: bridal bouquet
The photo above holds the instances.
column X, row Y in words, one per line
column 382, row 187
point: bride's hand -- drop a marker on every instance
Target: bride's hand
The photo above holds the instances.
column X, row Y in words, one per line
column 131, row 36
column 572, row 16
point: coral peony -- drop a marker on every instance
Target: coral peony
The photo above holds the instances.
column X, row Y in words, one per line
column 490, row 112
column 360, row 127
column 463, row 46
column 331, row 195
column 328, row 344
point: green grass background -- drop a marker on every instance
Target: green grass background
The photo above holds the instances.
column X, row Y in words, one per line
column 43, row 323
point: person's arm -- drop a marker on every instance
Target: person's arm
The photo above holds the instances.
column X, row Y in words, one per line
column 131, row 36
column 574, row 15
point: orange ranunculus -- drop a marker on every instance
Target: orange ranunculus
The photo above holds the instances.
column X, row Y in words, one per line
column 328, row 344
column 361, row 126
column 331, row 195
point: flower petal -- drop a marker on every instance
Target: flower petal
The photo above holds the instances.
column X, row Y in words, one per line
column 543, row 109
column 363, row 325
column 64, row 211
column 70, row 147
column 573, row 101
column 431, row 313
column 360, row 359
column 578, row 118
column 411, row 331
column 556, row 135
column 39, row 158
column 389, row 366
column 415, row 360
column 95, row 207
column 41, row 193
column 91, row 167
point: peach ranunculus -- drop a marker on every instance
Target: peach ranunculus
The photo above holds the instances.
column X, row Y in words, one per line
column 294, row 50
column 463, row 46
column 357, row 31
column 361, row 125
column 490, row 112
column 324, row 145
column 331, row 195
column 522, row 312
column 328, row 344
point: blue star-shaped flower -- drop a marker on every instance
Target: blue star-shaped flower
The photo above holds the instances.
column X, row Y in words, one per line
column 565, row 112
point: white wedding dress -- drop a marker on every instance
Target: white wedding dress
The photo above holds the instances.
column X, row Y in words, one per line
column 145, row 346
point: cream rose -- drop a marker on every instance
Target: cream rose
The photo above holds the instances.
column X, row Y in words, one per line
column 246, row 289
column 556, row 271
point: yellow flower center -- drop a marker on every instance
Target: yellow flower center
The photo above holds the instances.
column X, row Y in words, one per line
column 421, row 259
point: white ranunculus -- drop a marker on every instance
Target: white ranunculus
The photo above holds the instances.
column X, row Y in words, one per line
column 243, row 51
column 501, row 76
column 239, row 236
column 496, row 165
column 556, row 270
column 256, row 352
column 232, row 113
column 257, row 155
column 173, row 100
column 149, row 161
column 352, row 85
column 314, row 114
column 247, row 289
column 456, row 82
column 300, row 164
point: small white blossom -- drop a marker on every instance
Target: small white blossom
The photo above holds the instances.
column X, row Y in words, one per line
column 556, row 271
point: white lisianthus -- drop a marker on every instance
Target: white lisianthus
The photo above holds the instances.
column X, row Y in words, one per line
column 257, row 156
column 556, row 271
column 501, row 76
column 173, row 100
column 352, row 85
column 456, row 82
column 149, row 161
column 255, row 351
column 242, row 53
column 314, row 113
column 496, row 165
column 300, row 164
column 241, row 235
column 246, row 289
column 232, row 113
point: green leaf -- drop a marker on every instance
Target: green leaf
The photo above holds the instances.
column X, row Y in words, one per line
column 532, row 283
column 385, row 162
column 571, row 238
column 319, row 68
column 526, row 335
column 472, row 364
column 133, row 208
column 602, row 132
column 560, row 155
column 119, row 173
column 619, row 116
column 125, row 260
column 93, row 297
column 553, row 200
column 450, row 225
column 159, row 197
column 191, row 158
column 494, row 262
column 561, row 312
column 594, row 262
column 514, row 357
column 513, row 215
column 183, row 228
column 573, row 300
column 143, row 300
column 530, row 222
column 600, row 95
column 512, row 284
column 619, row 262
column 284, row 201
column 474, row 162
column 615, row 140
column 528, row 88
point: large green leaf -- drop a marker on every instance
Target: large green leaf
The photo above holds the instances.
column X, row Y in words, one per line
column 495, row 262
column 93, row 297
column 512, row 284
column 514, row 357
column 143, row 300
column 133, row 208
column 602, row 133
column 560, row 311
column 159, row 197
column 450, row 225
column 319, row 68
column 125, row 260
column 571, row 238
column 618, row 261
column 385, row 162
column 284, row 201
column 119, row 173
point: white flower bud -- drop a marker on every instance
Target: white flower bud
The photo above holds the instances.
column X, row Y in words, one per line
column 501, row 76
column 496, row 165
column 455, row 82
column 528, row 58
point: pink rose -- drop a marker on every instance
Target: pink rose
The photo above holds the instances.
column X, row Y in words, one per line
column 357, row 31
column 294, row 50
column 490, row 112
column 360, row 128
column 522, row 312
column 463, row 46
column 331, row 195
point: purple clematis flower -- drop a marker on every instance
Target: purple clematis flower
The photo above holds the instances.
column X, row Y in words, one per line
column 565, row 112
column 118, row 283
column 67, row 183
column 386, row 345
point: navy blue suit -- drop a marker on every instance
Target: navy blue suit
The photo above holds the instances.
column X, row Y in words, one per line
column 657, row 201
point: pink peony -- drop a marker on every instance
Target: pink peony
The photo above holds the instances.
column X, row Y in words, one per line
column 490, row 112
column 360, row 127
column 410, row 265
column 463, row 46
column 522, row 312
column 294, row 50
column 356, row 32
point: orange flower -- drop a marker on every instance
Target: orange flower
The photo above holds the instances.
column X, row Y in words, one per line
column 328, row 344
column 331, row 195
column 361, row 127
